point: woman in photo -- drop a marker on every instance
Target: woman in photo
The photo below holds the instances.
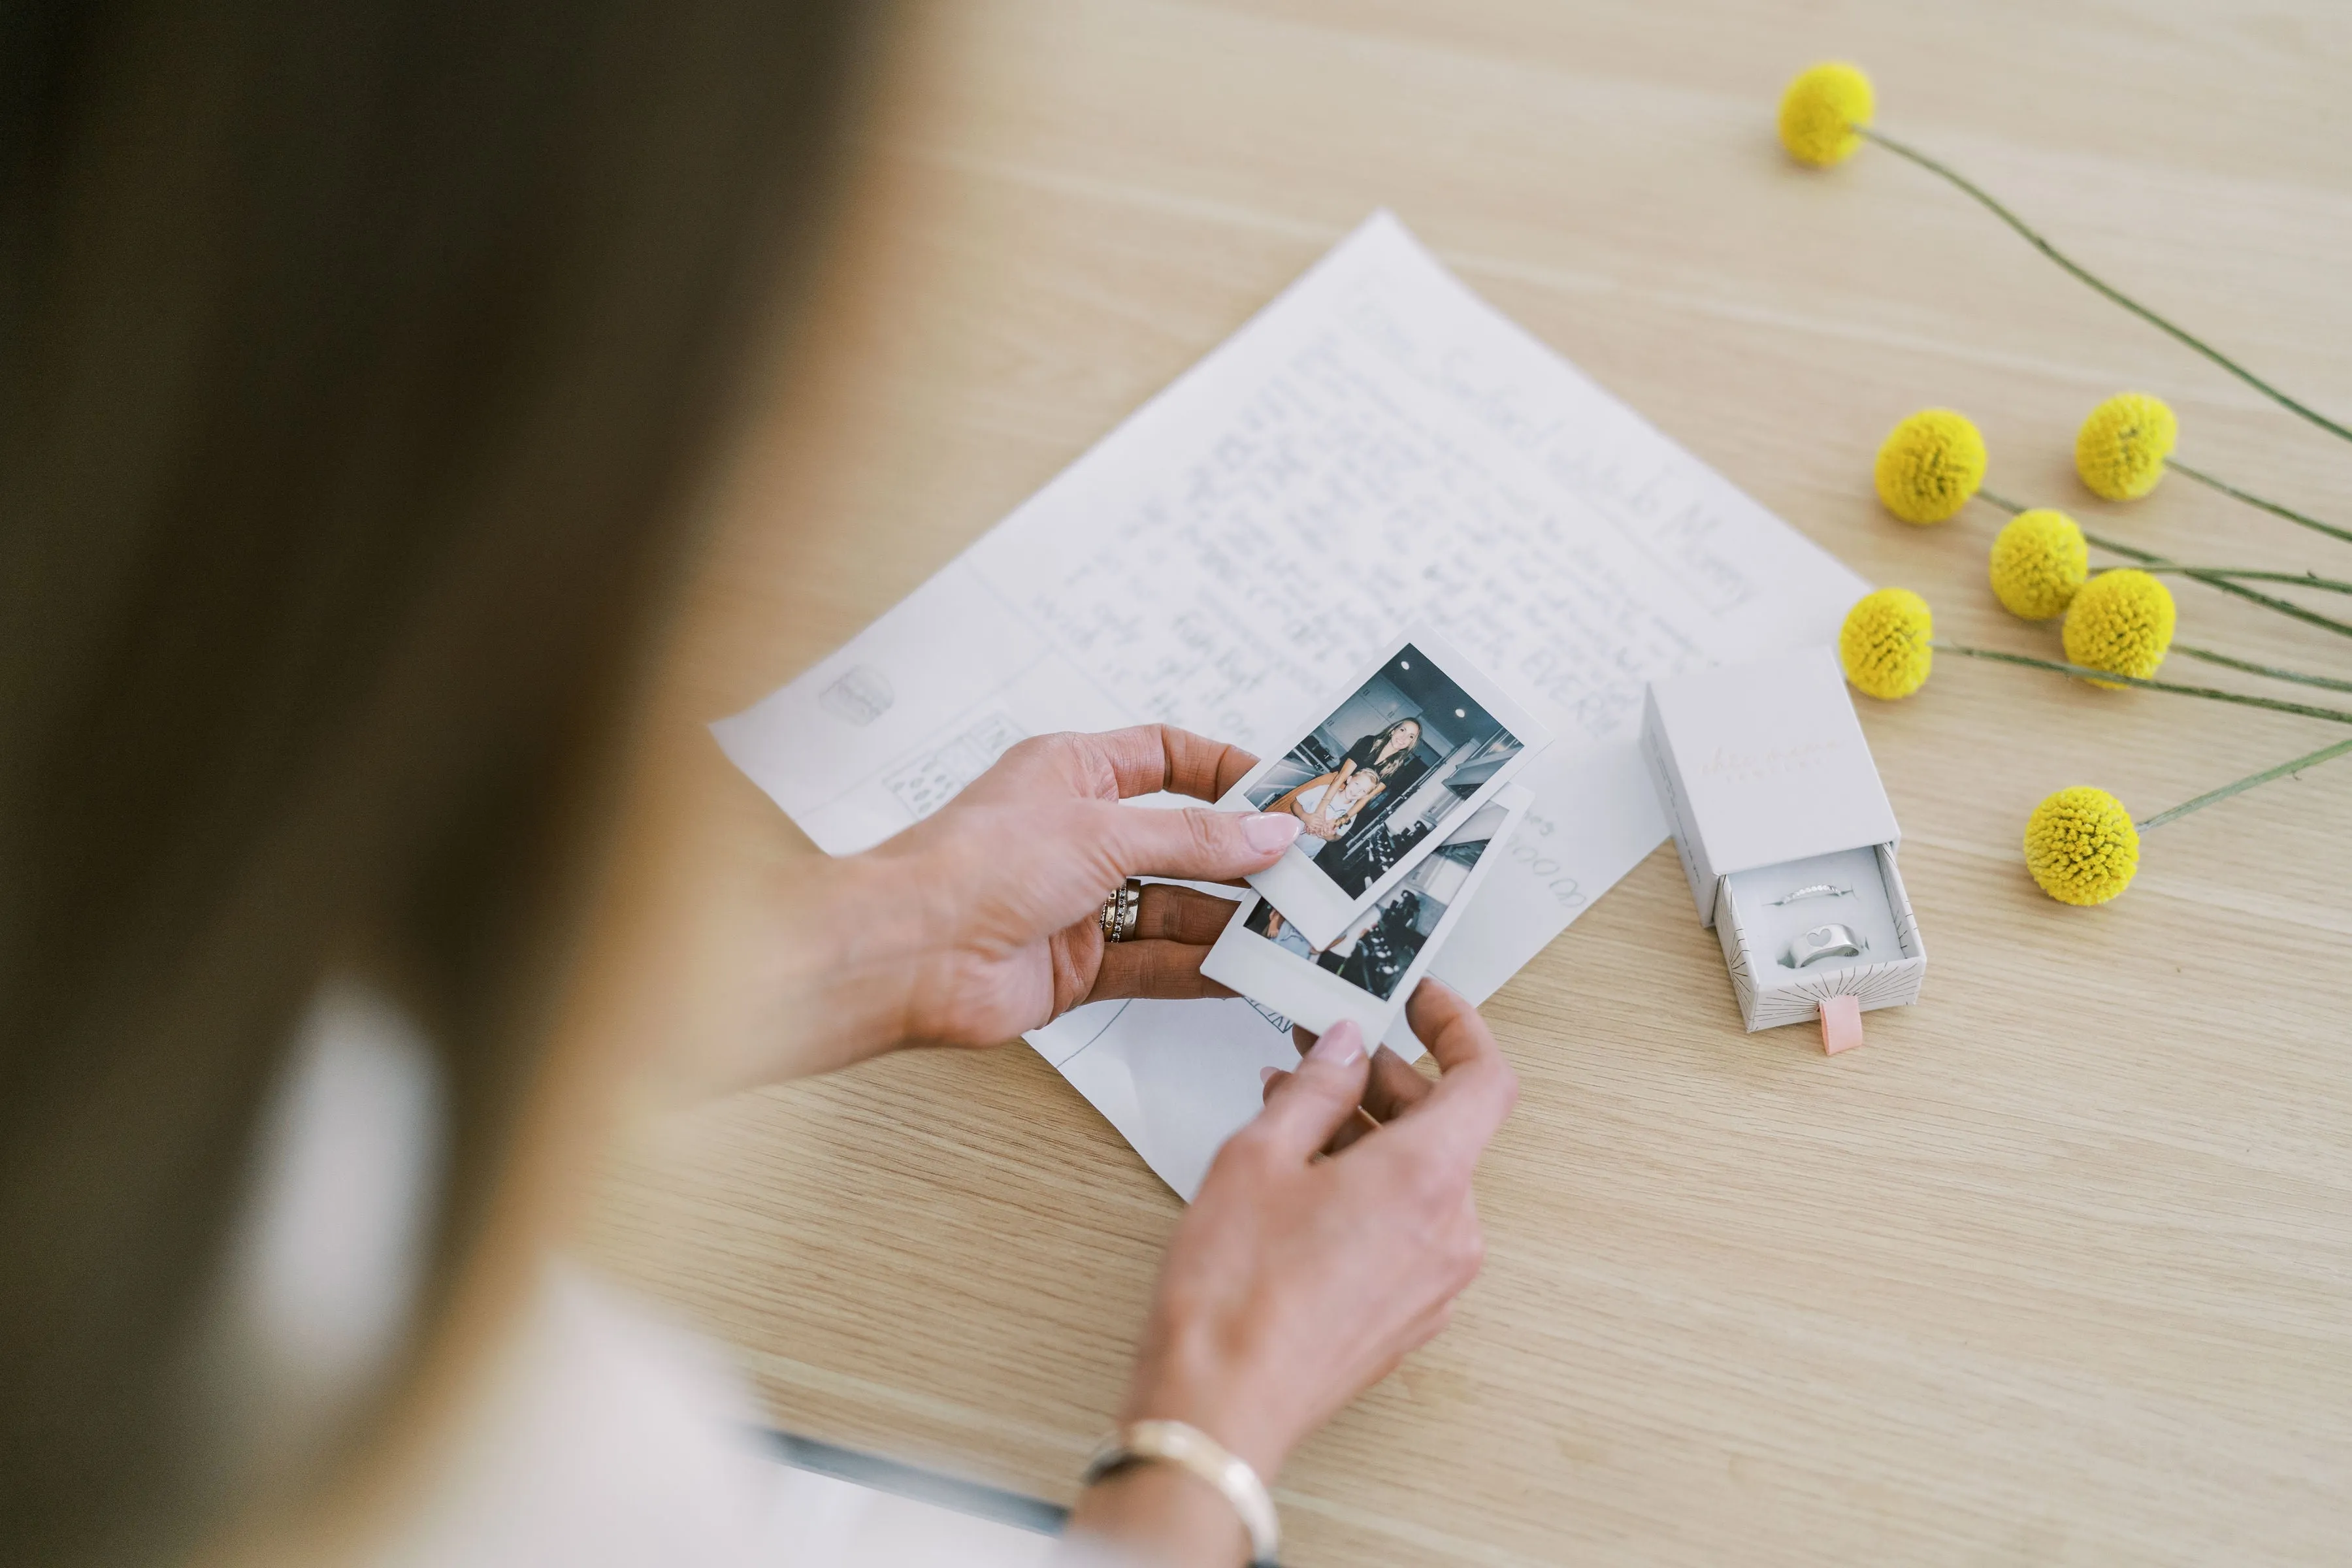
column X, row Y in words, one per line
column 1326, row 804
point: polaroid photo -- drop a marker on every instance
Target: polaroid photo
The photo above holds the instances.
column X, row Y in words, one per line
column 1370, row 972
column 1419, row 738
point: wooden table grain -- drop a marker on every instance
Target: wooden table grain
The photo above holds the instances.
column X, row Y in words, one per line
column 2059, row 1268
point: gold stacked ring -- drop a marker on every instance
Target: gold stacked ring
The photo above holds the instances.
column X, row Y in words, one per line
column 1120, row 911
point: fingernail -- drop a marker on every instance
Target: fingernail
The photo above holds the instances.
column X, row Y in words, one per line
column 1266, row 1076
column 1270, row 830
column 1342, row 1044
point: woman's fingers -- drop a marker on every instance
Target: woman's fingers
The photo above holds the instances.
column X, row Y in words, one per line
column 1271, row 1079
column 1167, row 970
column 1357, row 1126
column 1148, row 758
column 1303, row 1113
column 1195, row 844
column 1182, row 914
column 1478, row 1090
column 1395, row 1087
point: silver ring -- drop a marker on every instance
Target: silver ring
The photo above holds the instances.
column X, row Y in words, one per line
column 1818, row 890
column 1119, row 911
column 1826, row 942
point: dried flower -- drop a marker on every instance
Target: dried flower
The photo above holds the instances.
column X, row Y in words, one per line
column 1930, row 465
column 1884, row 643
column 1820, row 110
column 2039, row 563
column 2121, row 622
column 2081, row 845
column 2121, row 447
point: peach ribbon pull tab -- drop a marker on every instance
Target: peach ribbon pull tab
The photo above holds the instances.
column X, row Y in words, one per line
column 1841, row 1024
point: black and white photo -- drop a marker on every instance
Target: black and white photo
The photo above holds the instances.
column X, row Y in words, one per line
column 1368, row 970
column 1416, row 739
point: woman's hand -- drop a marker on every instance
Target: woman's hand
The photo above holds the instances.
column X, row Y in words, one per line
column 980, row 922
column 1294, row 1283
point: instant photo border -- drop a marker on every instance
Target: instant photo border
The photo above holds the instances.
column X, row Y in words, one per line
column 1303, row 891
column 1315, row 999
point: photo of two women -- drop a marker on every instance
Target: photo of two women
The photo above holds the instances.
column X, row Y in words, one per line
column 1393, row 760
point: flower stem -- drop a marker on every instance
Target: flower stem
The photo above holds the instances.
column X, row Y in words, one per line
column 2207, row 576
column 2283, row 606
column 2300, row 579
column 2227, row 790
column 2025, row 231
column 2210, row 656
column 2234, row 492
column 2083, row 672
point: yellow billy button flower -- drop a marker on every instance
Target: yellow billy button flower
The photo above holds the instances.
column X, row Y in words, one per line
column 2121, row 447
column 1929, row 466
column 2125, row 448
column 2081, row 845
column 2039, row 562
column 2121, row 622
column 1884, row 643
column 1820, row 110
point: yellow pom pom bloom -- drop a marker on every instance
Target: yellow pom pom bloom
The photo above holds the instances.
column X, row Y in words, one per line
column 1884, row 643
column 2121, row 447
column 2122, row 622
column 2081, row 845
column 1820, row 110
column 2039, row 562
column 1930, row 464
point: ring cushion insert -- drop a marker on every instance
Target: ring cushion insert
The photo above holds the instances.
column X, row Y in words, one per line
column 1771, row 790
column 1867, row 910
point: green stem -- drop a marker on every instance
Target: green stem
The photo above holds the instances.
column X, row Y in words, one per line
column 2227, row 790
column 2083, row 672
column 2134, row 306
column 2210, row 656
column 2283, row 606
column 2204, row 575
column 2234, row 493
column 2243, row 575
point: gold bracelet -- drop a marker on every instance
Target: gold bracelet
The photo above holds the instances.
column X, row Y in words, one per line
column 1175, row 1443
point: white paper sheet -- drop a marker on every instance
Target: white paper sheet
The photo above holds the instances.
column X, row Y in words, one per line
column 1377, row 447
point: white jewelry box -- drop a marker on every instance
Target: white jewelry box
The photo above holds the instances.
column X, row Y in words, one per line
column 1784, row 828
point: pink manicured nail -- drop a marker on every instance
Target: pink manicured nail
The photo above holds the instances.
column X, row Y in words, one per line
column 1342, row 1044
column 1266, row 1076
column 1270, row 830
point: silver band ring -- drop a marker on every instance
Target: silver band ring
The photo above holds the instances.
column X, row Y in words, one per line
column 1120, row 911
column 1818, row 890
column 1826, row 942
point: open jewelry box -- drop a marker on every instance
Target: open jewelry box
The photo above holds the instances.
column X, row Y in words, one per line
column 1785, row 835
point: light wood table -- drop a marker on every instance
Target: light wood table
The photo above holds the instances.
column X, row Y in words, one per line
column 2059, row 1268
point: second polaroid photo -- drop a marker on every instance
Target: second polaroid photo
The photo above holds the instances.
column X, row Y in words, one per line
column 1370, row 972
column 1419, row 738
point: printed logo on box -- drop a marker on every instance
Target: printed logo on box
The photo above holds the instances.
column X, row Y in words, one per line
column 1773, row 762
